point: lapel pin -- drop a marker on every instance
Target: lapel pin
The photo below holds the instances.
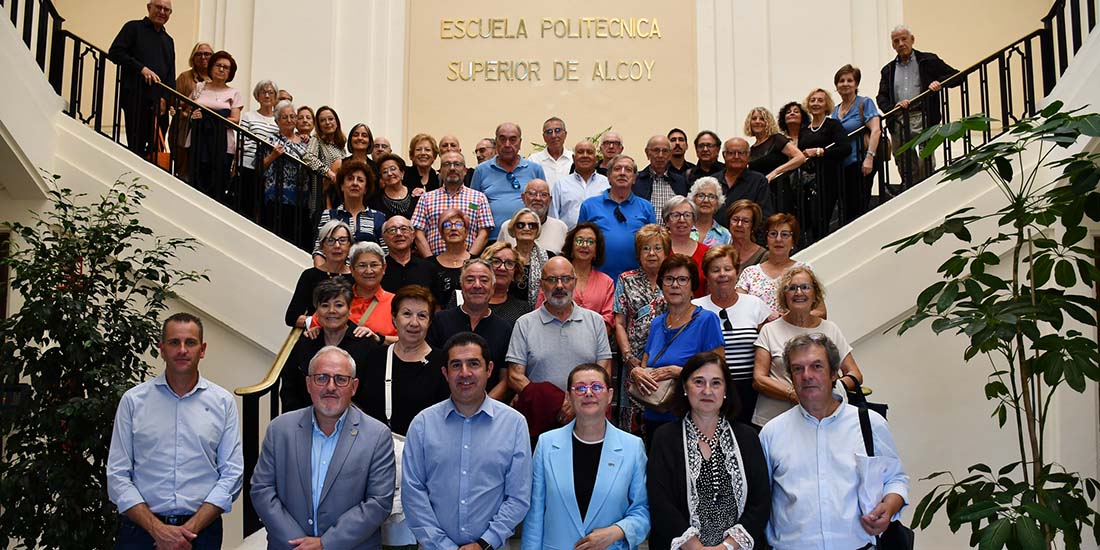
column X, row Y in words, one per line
column 355, row 431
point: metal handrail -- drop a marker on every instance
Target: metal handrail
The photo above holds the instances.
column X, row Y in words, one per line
column 276, row 369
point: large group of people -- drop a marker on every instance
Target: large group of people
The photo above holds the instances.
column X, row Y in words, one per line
column 597, row 351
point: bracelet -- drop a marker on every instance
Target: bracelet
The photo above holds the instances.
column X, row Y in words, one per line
column 871, row 154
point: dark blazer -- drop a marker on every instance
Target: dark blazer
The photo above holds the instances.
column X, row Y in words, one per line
column 667, row 484
column 357, row 495
column 931, row 68
column 643, row 186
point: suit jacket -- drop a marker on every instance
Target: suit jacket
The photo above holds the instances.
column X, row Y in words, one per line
column 931, row 68
column 357, row 495
column 643, row 185
column 618, row 498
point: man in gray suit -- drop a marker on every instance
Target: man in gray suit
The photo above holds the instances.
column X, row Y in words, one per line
column 325, row 477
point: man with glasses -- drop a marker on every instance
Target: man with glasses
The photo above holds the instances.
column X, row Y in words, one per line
column 453, row 193
column 146, row 56
column 380, row 148
column 503, row 177
column 619, row 213
column 738, row 182
column 706, row 150
column 556, row 160
column 402, row 266
column 572, row 190
column 326, row 475
column 611, row 146
column 547, row 343
column 536, row 196
column 485, row 150
column 678, row 164
column 656, row 183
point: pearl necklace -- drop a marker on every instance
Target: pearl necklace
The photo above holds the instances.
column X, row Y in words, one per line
column 820, row 126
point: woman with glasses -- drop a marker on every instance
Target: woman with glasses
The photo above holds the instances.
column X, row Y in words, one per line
column 186, row 82
column 335, row 239
column 741, row 315
column 707, row 476
column 588, row 476
column 762, row 280
column 744, row 218
column 453, row 225
column 683, row 330
column 394, row 199
column 357, row 182
column 421, row 177
column 799, row 294
column 584, row 248
column 679, row 218
column 212, row 143
column 525, row 227
column 504, row 261
column 706, row 195
column 260, row 123
column 370, row 303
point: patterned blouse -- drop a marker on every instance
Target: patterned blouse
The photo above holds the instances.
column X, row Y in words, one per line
column 640, row 303
column 754, row 281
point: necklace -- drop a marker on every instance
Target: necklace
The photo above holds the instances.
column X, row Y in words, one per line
column 819, row 126
column 673, row 322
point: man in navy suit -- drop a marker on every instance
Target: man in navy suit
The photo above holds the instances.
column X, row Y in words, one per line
column 325, row 477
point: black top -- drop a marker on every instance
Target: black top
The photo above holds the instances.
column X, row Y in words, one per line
column 697, row 172
column 412, row 179
column 415, row 386
column 294, row 395
column 417, row 272
column 494, row 329
column 768, row 156
column 931, row 68
column 301, row 302
column 139, row 44
column 445, row 280
column 751, row 185
column 831, row 131
column 586, row 463
column 511, row 309
column 688, row 165
column 390, row 207
column 666, row 482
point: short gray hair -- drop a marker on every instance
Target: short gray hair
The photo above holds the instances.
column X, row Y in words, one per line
column 675, row 201
column 900, row 28
column 337, row 350
column 832, row 354
column 702, row 182
column 329, row 228
column 365, row 247
column 283, row 105
column 259, row 87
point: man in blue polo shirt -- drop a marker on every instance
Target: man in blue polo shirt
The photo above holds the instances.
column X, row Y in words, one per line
column 619, row 213
column 504, row 177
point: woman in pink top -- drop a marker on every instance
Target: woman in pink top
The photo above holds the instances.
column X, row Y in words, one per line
column 213, row 144
column 584, row 248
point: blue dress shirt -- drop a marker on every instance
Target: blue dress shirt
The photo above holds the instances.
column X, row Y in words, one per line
column 505, row 193
column 175, row 453
column 619, row 254
column 320, row 456
column 465, row 478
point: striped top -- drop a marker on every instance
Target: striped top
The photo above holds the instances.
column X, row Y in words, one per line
column 739, row 332
column 262, row 126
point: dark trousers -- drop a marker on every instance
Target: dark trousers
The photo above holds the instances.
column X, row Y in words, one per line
column 132, row 537
column 140, row 108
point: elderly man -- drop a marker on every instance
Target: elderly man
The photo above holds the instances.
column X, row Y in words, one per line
column 448, row 144
column 146, row 55
column 656, row 183
column 555, row 159
column 402, row 266
column 706, row 150
column 485, row 150
column 611, row 146
column 503, row 177
column 738, row 182
column 813, row 451
column 907, row 76
column 619, row 213
column 175, row 463
column 381, row 147
column 466, row 468
column 678, row 164
column 551, row 231
column 473, row 315
column 452, row 194
column 547, row 343
column 326, row 474
column 584, row 183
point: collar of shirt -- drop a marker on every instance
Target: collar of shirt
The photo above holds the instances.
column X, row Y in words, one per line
column 828, row 419
column 335, row 431
column 628, row 200
column 486, row 408
column 495, row 164
column 546, row 317
column 162, row 380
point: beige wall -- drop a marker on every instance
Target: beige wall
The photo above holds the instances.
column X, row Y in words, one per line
column 961, row 41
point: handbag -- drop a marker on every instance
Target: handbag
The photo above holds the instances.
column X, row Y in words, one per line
column 160, row 155
column 897, row 536
column 663, row 398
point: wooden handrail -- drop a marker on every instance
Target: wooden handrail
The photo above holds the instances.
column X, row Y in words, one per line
column 276, row 366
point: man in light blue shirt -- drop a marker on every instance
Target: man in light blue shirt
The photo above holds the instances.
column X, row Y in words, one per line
column 504, row 177
column 466, row 467
column 811, row 451
column 175, row 463
column 584, row 183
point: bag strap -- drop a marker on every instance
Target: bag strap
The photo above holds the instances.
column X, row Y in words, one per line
column 862, row 120
column 673, row 339
column 865, row 427
column 370, row 309
column 389, row 382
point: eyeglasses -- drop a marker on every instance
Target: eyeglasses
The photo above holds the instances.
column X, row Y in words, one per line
column 452, row 225
column 203, row 54
column 337, row 240
column 341, row 380
column 163, row 9
column 369, row 265
column 526, row 225
column 682, row 280
column 508, row 139
column 741, row 221
column 508, row 264
column 483, row 149
column 222, row 66
column 659, row 150
column 581, row 389
column 680, row 215
column 804, row 287
column 381, row 146
column 451, row 165
column 513, row 180
column 399, row 229
column 706, row 146
column 725, row 317
column 619, row 215
column 735, row 153
column 706, row 196
column 612, row 143
column 390, row 169
column 563, row 279
column 551, row 131
column 584, row 242
column 653, row 248
column 537, row 194
column 780, row 234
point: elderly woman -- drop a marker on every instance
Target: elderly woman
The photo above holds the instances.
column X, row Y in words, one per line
column 284, row 190
column 402, row 379
column 370, row 305
column 394, row 199
column 503, row 259
column 327, row 147
column 706, row 195
column 453, row 225
column 762, row 280
column 638, row 301
column 335, row 242
column 742, row 315
column 357, row 182
column 744, row 218
column 212, row 143
column 525, row 227
column 683, row 330
column 799, row 294
column 772, row 153
column 421, row 177
column 331, row 299
column 707, row 476
column 580, row 497
column 679, row 218
column 793, row 119
column 854, row 112
column 186, row 83
column 260, row 123
column 304, row 126
column 584, row 248
column 821, row 132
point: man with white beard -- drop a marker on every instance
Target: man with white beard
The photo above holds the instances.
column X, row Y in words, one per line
column 536, row 196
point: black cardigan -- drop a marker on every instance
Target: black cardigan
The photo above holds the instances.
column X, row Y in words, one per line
column 666, row 482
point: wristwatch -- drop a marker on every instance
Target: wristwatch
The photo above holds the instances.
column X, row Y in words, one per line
column 729, row 545
column 486, row 546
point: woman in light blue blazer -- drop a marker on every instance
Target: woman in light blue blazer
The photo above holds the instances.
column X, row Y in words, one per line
column 589, row 477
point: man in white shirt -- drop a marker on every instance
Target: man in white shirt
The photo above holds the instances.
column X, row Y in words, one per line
column 555, row 159
column 569, row 192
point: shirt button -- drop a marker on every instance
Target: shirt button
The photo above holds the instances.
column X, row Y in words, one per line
column 463, row 472
column 463, row 501
column 465, row 446
column 310, row 522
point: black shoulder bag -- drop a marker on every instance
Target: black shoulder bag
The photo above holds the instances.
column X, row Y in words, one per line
column 897, row 536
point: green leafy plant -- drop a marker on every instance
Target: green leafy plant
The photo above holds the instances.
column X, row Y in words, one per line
column 1018, row 324
column 94, row 283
